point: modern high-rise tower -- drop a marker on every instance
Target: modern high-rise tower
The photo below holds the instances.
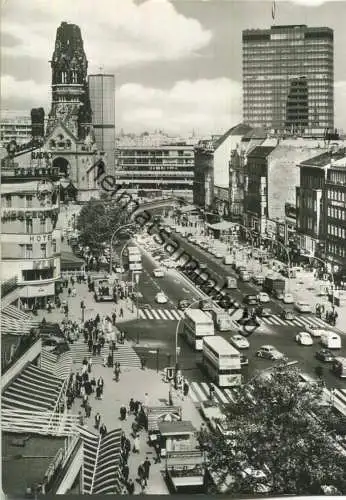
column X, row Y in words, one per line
column 288, row 79
column 102, row 100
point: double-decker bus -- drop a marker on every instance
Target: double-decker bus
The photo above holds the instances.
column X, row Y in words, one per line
column 197, row 324
column 221, row 361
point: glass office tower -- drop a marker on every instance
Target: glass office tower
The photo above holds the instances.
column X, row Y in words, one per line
column 102, row 100
column 288, row 79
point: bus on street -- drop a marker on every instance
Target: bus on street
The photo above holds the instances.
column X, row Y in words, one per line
column 221, row 361
column 197, row 324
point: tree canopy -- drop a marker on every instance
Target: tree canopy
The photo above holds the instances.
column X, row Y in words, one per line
column 97, row 221
column 273, row 427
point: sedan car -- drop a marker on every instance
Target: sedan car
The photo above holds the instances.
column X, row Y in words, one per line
column 287, row 315
column 263, row 297
column 303, row 307
column 161, row 298
column 288, row 298
column 315, row 331
column 325, row 355
column 183, row 304
column 304, row 338
column 263, row 312
column 240, row 342
column 158, row 273
column 269, row 352
column 251, row 300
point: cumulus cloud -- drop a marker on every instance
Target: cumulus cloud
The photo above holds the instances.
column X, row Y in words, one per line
column 16, row 90
column 115, row 33
column 207, row 106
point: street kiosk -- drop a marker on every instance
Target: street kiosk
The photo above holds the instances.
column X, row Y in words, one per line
column 186, row 471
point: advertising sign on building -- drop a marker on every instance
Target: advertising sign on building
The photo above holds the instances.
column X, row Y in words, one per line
column 37, row 290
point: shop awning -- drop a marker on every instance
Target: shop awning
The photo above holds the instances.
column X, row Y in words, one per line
column 176, row 428
column 69, row 261
column 17, row 314
column 157, row 414
column 12, row 326
column 222, row 226
column 34, row 389
column 101, row 462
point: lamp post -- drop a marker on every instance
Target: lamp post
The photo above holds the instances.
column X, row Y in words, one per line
column 325, row 264
column 124, row 226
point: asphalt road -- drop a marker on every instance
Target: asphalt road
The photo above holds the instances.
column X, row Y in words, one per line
column 160, row 333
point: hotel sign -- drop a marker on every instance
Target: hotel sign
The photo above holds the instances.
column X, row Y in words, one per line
column 40, row 238
column 41, row 155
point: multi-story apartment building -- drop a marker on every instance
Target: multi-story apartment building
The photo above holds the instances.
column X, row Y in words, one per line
column 102, row 100
column 30, row 242
column 156, row 171
column 288, row 79
column 335, row 213
column 15, row 128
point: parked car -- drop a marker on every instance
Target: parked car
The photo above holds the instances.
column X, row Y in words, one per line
column 263, row 297
column 325, row 355
column 304, row 338
column 303, row 307
column 331, row 340
column 161, row 298
column 288, row 298
column 315, row 331
column 269, row 352
column 240, row 342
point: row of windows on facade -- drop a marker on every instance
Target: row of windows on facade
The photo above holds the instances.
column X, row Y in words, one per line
column 308, row 222
column 26, row 251
column 336, row 213
column 44, row 200
column 338, row 178
column 339, row 232
column 321, row 43
column 336, row 249
column 157, row 165
column 155, row 153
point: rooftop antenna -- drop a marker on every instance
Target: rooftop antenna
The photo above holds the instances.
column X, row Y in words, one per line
column 273, row 11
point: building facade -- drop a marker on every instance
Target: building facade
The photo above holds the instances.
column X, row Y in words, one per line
column 30, row 242
column 15, row 129
column 156, row 171
column 335, row 214
column 288, row 79
column 102, row 101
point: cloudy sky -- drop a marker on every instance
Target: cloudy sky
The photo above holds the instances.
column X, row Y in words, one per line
column 177, row 63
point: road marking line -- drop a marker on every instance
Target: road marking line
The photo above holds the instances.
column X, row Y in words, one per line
column 175, row 314
column 220, row 394
column 205, row 388
column 281, row 321
column 274, row 320
column 154, row 313
column 162, row 313
column 198, row 391
column 230, row 395
column 299, row 321
column 290, row 322
column 148, row 314
column 141, row 314
column 169, row 314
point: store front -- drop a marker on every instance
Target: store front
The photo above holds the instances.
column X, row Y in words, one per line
column 36, row 296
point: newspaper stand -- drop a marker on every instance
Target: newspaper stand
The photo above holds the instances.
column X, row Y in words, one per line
column 185, row 471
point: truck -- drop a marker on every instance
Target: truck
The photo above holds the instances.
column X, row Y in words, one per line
column 274, row 285
column 222, row 320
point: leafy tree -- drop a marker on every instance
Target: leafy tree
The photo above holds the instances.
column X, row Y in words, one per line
column 272, row 427
column 97, row 221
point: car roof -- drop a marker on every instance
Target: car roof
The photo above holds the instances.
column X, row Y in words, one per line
column 267, row 346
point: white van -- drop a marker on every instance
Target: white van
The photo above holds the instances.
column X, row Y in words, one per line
column 331, row 340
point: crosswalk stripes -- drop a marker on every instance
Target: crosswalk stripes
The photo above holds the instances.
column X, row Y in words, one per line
column 124, row 354
column 199, row 393
column 300, row 321
column 160, row 314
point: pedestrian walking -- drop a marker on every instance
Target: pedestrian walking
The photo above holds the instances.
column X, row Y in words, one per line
column 90, row 344
column 97, row 420
column 131, row 406
column 94, row 349
column 136, row 444
column 131, row 487
column 123, row 412
column 87, row 410
column 140, row 473
column 98, row 348
column 98, row 392
column 69, row 291
column 126, row 472
column 158, row 452
column 121, row 313
column 185, row 388
column 103, row 430
column 143, row 363
column 114, row 318
column 105, row 359
column 146, row 468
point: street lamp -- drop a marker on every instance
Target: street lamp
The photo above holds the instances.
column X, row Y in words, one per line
column 112, row 239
